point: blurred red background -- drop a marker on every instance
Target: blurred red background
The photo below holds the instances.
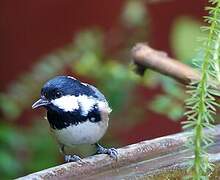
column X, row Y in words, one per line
column 31, row 29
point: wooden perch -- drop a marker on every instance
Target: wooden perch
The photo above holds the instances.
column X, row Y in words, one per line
column 145, row 57
column 164, row 158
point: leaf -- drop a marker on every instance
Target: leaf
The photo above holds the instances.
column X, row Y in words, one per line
column 134, row 14
column 183, row 38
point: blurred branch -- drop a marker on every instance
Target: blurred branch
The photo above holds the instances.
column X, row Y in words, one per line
column 145, row 57
column 152, row 158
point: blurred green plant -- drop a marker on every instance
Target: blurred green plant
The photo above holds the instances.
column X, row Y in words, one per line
column 201, row 105
column 185, row 32
column 12, row 142
column 20, row 153
column 134, row 13
column 171, row 102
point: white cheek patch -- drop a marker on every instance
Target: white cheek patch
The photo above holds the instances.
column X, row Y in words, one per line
column 86, row 103
column 67, row 103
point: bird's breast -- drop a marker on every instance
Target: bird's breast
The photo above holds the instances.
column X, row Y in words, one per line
column 82, row 133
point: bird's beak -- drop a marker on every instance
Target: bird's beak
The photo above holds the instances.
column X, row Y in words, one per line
column 40, row 102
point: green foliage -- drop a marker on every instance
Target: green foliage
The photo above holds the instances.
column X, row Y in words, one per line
column 89, row 41
column 43, row 149
column 184, row 35
column 134, row 13
column 8, row 106
column 21, row 153
column 11, row 143
column 170, row 103
column 201, row 104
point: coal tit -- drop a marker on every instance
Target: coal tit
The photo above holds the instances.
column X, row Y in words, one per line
column 78, row 113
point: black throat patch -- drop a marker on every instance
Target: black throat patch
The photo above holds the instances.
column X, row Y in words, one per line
column 60, row 119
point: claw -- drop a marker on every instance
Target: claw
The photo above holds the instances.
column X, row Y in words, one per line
column 72, row 158
column 112, row 152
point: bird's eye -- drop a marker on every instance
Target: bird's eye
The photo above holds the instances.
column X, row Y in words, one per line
column 58, row 94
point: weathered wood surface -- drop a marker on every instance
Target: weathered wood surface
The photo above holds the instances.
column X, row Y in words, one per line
column 151, row 159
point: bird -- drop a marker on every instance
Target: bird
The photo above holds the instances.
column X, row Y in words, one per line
column 77, row 112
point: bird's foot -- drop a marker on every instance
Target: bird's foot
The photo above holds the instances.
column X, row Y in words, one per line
column 72, row 158
column 112, row 152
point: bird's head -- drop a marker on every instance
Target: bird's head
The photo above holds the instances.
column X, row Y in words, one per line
column 58, row 90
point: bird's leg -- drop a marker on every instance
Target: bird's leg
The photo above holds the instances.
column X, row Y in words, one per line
column 112, row 152
column 69, row 158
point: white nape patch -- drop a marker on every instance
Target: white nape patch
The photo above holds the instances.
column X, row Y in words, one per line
column 84, row 84
column 71, row 77
column 67, row 103
column 86, row 103
column 83, row 133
